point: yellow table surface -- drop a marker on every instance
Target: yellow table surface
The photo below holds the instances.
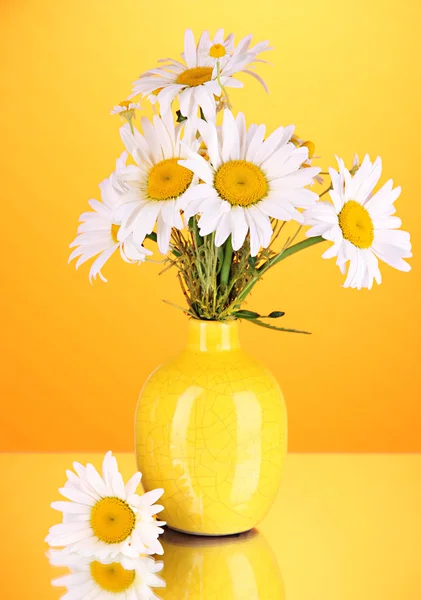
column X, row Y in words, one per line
column 343, row 526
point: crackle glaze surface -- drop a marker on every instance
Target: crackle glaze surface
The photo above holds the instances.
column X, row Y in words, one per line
column 211, row 429
column 235, row 568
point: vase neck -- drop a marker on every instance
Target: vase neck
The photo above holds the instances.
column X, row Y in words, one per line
column 213, row 336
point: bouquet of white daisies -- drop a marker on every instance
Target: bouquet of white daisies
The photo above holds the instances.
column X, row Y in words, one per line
column 216, row 195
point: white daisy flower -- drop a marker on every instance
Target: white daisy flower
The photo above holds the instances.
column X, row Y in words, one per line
column 125, row 107
column 127, row 111
column 157, row 184
column 360, row 224
column 195, row 81
column 247, row 180
column 243, row 56
column 98, row 232
column 104, row 517
column 210, row 51
column 125, row 579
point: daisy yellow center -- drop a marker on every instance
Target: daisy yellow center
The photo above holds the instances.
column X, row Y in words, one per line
column 167, row 179
column 195, row 76
column 113, row 577
column 125, row 104
column 114, row 232
column 241, row 183
column 112, row 520
column 356, row 224
column 217, row 51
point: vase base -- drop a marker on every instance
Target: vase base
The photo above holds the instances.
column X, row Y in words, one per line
column 212, row 535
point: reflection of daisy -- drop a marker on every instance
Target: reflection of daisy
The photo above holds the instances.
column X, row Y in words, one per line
column 127, row 579
column 360, row 224
column 247, row 180
column 104, row 517
column 210, row 51
column 97, row 233
column 195, row 81
column 156, row 185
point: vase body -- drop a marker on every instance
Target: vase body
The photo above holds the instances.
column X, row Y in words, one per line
column 242, row 567
column 211, row 430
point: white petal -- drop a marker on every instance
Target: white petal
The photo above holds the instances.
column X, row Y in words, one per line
column 134, row 141
column 100, row 262
column 255, row 142
column 167, row 95
column 223, row 230
column 151, row 497
column 381, row 204
column 152, row 140
column 259, row 79
column 185, row 98
column 132, row 484
column 205, row 99
column 163, row 234
column 77, row 496
column 200, row 167
column 387, row 222
column 239, row 227
column 269, row 146
column 208, row 222
column 70, row 507
column 190, row 49
column 210, row 137
column 231, row 141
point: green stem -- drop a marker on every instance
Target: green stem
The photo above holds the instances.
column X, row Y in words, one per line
column 281, row 256
column 226, row 265
column 218, row 77
column 307, row 243
column 326, row 191
column 193, row 226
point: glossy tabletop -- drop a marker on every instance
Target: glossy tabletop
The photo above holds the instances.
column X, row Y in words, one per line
column 343, row 527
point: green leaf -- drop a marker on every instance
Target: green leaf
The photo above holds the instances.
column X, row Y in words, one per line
column 220, row 255
column 226, row 265
column 246, row 314
column 261, row 324
column 180, row 117
column 250, row 314
column 290, row 251
column 184, row 310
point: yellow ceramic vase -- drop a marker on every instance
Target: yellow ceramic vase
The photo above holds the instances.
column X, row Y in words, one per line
column 238, row 568
column 211, row 429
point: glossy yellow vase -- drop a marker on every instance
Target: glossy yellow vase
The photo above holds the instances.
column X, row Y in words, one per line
column 235, row 568
column 211, row 429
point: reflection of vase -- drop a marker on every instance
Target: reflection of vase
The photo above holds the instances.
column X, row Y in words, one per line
column 211, row 430
column 235, row 568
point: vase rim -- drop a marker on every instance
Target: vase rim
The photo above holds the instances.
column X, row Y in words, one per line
column 208, row 336
column 214, row 321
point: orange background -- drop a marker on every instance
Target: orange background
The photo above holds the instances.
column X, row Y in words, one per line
column 74, row 356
